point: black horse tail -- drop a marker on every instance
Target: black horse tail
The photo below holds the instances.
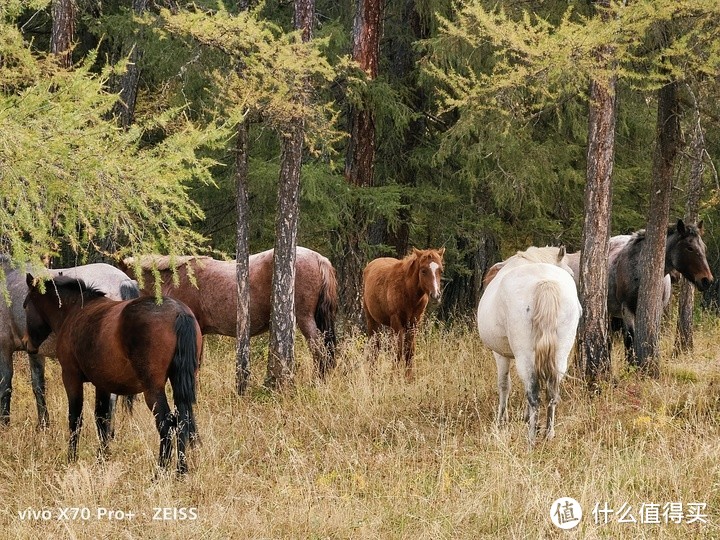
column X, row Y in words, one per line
column 129, row 290
column 325, row 313
column 184, row 364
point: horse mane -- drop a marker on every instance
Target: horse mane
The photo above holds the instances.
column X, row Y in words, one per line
column 163, row 262
column 547, row 254
column 73, row 284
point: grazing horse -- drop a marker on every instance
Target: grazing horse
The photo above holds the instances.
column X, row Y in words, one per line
column 113, row 282
column 212, row 296
column 530, row 312
column 121, row 347
column 396, row 293
column 684, row 254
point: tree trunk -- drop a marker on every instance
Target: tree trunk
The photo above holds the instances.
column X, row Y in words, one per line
column 128, row 83
column 242, row 251
column 64, row 14
column 593, row 338
column 281, row 354
column 686, row 298
column 360, row 157
column 242, row 261
column 649, row 309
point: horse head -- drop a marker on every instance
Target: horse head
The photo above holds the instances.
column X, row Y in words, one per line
column 686, row 253
column 430, row 267
column 37, row 328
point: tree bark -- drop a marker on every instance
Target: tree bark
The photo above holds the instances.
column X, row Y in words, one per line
column 64, row 15
column 281, row 354
column 686, row 298
column 129, row 82
column 593, row 336
column 649, row 309
column 360, row 156
column 242, row 261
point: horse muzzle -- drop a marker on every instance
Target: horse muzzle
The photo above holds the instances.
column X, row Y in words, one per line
column 704, row 283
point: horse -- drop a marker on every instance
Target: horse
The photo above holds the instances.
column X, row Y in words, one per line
column 209, row 288
column 113, row 282
column 396, row 293
column 685, row 253
column 530, row 312
column 122, row 347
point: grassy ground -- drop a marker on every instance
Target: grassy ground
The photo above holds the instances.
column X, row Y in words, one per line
column 369, row 455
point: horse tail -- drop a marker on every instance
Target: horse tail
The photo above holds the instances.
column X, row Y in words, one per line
column 184, row 363
column 546, row 309
column 326, row 310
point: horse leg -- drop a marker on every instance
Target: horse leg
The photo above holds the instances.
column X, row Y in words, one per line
column 526, row 370
column 315, row 341
column 6, row 375
column 185, row 422
column 503, row 381
column 37, row 380
column 164, row 422
column 628, row 326
column 553, row 398
column 409, row 351
column 74, row 390
column 103, row 419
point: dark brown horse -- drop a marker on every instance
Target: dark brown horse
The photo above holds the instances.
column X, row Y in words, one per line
column 213, row 295
column 396, row 293
column 684, row 254
column 121, row 347
column 113, row 282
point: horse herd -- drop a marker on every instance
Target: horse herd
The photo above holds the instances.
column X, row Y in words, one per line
column 105, row 330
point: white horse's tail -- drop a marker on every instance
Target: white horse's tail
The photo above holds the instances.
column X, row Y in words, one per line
column 544, row 327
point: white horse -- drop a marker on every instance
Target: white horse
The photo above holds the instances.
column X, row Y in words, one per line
column 530, row 312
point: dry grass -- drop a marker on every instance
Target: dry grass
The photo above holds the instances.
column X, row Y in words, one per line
column 370, row 455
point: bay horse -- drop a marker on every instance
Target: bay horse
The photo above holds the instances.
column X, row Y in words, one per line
column 211, row 294
column 685, row 253
column 112, row 281
column 530, row 312
column 396, row 293
column 121, row 347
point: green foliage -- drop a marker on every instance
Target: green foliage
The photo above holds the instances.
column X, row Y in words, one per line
column 71, row 178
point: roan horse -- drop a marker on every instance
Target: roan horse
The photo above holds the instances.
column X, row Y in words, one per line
column 396, row 293
column 530, row 312
column 113, row 282
column 214, row 299
column 121, row 347
column 684, row 254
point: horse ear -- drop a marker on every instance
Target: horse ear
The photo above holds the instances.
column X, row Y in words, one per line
column 561, row 253
column 680, row 226
column 700, row 227
column 416, row 252
column 29, row 279
column 441, row 251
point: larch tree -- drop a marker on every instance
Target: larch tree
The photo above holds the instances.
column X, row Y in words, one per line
column 593, row 339
column 281, row 351
column 686, row 297
column 649, row 308
column 360, row 153
column 64, row 15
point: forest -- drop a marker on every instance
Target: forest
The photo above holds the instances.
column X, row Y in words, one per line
column 476, row 117
column 362, row 129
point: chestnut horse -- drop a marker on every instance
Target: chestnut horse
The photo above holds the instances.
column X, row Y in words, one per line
column 108, row 279
column 530, row 312
column 121, row 347
column 396, row 293
column 212, row 296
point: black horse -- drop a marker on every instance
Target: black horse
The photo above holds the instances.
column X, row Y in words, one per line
column 684, row 254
